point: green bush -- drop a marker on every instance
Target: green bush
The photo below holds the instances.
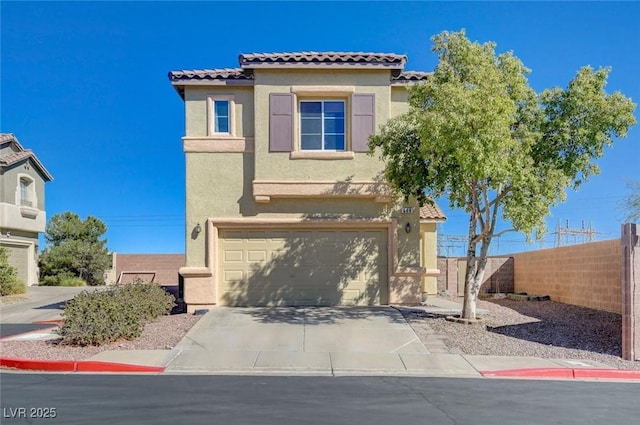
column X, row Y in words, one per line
column 63, row 279
column 12, row 287
column 9, row 282
column 120, row 312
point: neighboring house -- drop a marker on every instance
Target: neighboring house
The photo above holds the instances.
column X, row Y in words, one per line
column 22, row 210
column 284, row 205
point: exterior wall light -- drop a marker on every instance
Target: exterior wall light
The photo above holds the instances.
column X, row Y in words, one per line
column 407, row 228
column 198, row 228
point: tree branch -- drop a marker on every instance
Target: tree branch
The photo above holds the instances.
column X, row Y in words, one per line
column 501, row 195
column 497, row 235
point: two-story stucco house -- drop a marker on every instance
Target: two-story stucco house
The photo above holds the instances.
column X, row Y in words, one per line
column 22, row 211
column 284, row 205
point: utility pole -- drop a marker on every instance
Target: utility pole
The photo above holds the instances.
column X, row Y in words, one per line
column 568, row 236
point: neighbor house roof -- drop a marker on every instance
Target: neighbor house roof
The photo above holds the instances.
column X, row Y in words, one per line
column 20, row 155
column 432, row 212
column 336, row 60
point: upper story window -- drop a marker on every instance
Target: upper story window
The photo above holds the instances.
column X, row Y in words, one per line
column 25, row 199
column 26, row 195
column 322, row 125
column 221, row 116
column 310, row 128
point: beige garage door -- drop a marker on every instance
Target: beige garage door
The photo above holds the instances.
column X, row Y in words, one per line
column 19, row 259
column 303, row 267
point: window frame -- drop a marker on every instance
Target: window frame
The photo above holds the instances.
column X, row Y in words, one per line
column 30, row 200
column 345, row 126
column 212, row 119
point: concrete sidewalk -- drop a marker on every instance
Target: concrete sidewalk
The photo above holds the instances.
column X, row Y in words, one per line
column 307, row 341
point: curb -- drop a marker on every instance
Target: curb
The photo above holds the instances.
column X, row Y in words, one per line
column 75, row 366
column 565, row 373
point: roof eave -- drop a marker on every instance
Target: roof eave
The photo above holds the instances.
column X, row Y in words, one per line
column 433, row 220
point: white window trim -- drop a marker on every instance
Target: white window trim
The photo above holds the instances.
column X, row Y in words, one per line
column 346, row 125
column 211, row 122
column 32, row 196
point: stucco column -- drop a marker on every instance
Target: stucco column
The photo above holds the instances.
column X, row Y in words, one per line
column 429, row 258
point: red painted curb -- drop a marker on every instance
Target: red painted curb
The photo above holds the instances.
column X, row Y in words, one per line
column 532, row 373
column 566, row 373
column 48, row 365
column 75, row 366
column 47, row 322
column 606, row 374
column 95, row 366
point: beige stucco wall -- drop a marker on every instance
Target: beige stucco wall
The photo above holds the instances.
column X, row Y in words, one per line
column 588, row 275
column 195, row 99
column 399, row 100
column 428, row 256
column 220, row 184
column 12, row 214
column 278, row 166
column 10, row 188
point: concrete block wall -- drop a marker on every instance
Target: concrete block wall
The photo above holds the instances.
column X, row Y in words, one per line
column 162, row 268
column 498, row 276
column 587, row 275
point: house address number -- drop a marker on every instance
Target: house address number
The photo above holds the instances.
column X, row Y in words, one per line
column 407, row 210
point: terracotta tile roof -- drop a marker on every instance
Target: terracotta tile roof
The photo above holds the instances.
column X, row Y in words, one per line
column 209, row 74
column 7, row 137
column 431, row 212
column 409, row 76
column 21, row 155
column 8, row 160
column 250, row 60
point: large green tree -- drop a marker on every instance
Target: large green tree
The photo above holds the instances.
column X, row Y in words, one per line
column 477, row 133
column 75, row 249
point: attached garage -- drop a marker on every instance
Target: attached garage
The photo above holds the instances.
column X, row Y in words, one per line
column 19, row 259
column 302, row 266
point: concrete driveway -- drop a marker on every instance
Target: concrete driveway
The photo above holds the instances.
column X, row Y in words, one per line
column 40, row 303
column 316, row 340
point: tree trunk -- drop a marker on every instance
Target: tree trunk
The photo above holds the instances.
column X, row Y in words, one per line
column 473, row 278
column 469, row 305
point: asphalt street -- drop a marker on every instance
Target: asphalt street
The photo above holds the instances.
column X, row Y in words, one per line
column 180, row 399
column 9, row 329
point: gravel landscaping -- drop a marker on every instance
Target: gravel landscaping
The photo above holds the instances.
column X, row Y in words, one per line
column 161, row 334
column 544, row 329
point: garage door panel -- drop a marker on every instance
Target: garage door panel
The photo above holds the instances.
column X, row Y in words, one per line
column 303, row 267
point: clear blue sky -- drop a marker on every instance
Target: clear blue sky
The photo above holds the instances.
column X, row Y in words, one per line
column 84, row 84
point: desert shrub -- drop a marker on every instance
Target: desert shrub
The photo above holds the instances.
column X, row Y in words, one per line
column 9, row 282
column 150, row 299
column 120, row 312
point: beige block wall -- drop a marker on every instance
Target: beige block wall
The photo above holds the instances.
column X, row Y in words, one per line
column 498, row 275
column 164, row 267
column 587, row 275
